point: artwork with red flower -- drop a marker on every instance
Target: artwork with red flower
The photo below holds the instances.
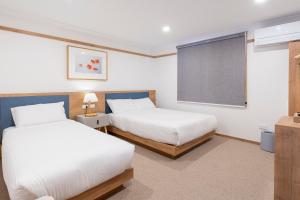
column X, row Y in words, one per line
column 88, row 64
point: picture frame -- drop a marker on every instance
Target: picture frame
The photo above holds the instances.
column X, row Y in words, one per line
column 86, row 64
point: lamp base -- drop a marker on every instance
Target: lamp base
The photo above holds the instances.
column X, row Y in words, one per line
column 91, row 114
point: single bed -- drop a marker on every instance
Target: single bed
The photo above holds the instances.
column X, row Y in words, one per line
column 63, row 159
column 170, row 132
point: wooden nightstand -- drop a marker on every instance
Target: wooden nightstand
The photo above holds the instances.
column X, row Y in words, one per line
column 97, row 122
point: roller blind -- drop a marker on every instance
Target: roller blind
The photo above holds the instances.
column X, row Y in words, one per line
column 213, row 71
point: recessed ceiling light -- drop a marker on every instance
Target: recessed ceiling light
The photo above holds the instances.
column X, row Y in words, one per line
column 260, row 1
column 166, row 29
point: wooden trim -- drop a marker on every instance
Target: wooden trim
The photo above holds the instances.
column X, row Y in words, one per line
column 174, row 53
column 165, row 55
column 152, row 96
column 168, row 150
column 106, row 187
column 236, row 138
column 151, row 92
column 35, row 94
column 62, row 39
column 180, row 150
column 126, row 91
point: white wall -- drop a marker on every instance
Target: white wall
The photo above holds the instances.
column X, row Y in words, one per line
column 32, row 64
column 267, row 93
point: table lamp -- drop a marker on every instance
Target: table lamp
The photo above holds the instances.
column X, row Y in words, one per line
column 89, row 100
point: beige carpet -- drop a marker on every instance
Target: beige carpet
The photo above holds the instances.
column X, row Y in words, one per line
column 221, row 169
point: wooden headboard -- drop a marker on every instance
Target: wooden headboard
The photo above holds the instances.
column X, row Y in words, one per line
column 75, row 102
column 127, row 95
column 76, row 99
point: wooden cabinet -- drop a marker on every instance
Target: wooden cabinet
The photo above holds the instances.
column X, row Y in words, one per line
column 294, row 78
column 98, row 121
column 287, row 160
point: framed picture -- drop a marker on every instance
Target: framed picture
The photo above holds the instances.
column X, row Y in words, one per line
column 86, row 64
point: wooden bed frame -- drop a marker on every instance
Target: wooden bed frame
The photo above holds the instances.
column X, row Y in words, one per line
column 168, row 150
column 105, row 188
column 75, row 108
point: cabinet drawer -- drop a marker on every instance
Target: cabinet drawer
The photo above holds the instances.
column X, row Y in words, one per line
column 95, row 121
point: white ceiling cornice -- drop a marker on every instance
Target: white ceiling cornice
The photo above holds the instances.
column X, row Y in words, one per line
column 27, row 21
column 136, row 24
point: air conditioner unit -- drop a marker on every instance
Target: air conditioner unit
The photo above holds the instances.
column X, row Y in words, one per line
column 277, row 34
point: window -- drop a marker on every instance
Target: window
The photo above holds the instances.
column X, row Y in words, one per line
column 213, row 71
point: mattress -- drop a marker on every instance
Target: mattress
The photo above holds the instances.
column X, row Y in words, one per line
column 163, row 125
column 61, row 159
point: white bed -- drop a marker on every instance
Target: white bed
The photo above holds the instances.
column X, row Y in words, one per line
column 60, row 159
column 163, row 125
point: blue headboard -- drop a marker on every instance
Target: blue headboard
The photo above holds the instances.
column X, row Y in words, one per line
column 130, row 95
column 6, row 103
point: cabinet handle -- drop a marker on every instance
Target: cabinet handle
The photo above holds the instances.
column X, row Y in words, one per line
column 98, row 121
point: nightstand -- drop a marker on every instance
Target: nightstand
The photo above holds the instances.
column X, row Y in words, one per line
column 97, row 122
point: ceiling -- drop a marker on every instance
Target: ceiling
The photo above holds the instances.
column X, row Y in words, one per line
column 140, row 21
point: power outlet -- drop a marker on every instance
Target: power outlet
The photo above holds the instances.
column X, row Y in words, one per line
column 84, row 106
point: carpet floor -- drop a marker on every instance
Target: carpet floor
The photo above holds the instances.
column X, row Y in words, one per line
column 220, row 169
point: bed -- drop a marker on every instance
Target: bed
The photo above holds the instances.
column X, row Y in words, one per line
column 63, row 159
column 169, row 132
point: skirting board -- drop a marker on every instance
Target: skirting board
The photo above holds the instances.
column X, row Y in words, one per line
column 236, row 138
column 162, row 148
column 106, row 187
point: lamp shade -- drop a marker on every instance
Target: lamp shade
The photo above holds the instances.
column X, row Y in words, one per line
column 90, row 98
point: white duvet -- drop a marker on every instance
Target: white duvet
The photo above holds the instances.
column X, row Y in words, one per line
column 166, row 126
column 60, row 159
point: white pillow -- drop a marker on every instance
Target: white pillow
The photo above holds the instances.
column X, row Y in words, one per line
column 38, row 114
column 121, row 105
column 144, row 103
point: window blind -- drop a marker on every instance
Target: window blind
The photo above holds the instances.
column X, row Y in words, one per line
column 213, row 71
